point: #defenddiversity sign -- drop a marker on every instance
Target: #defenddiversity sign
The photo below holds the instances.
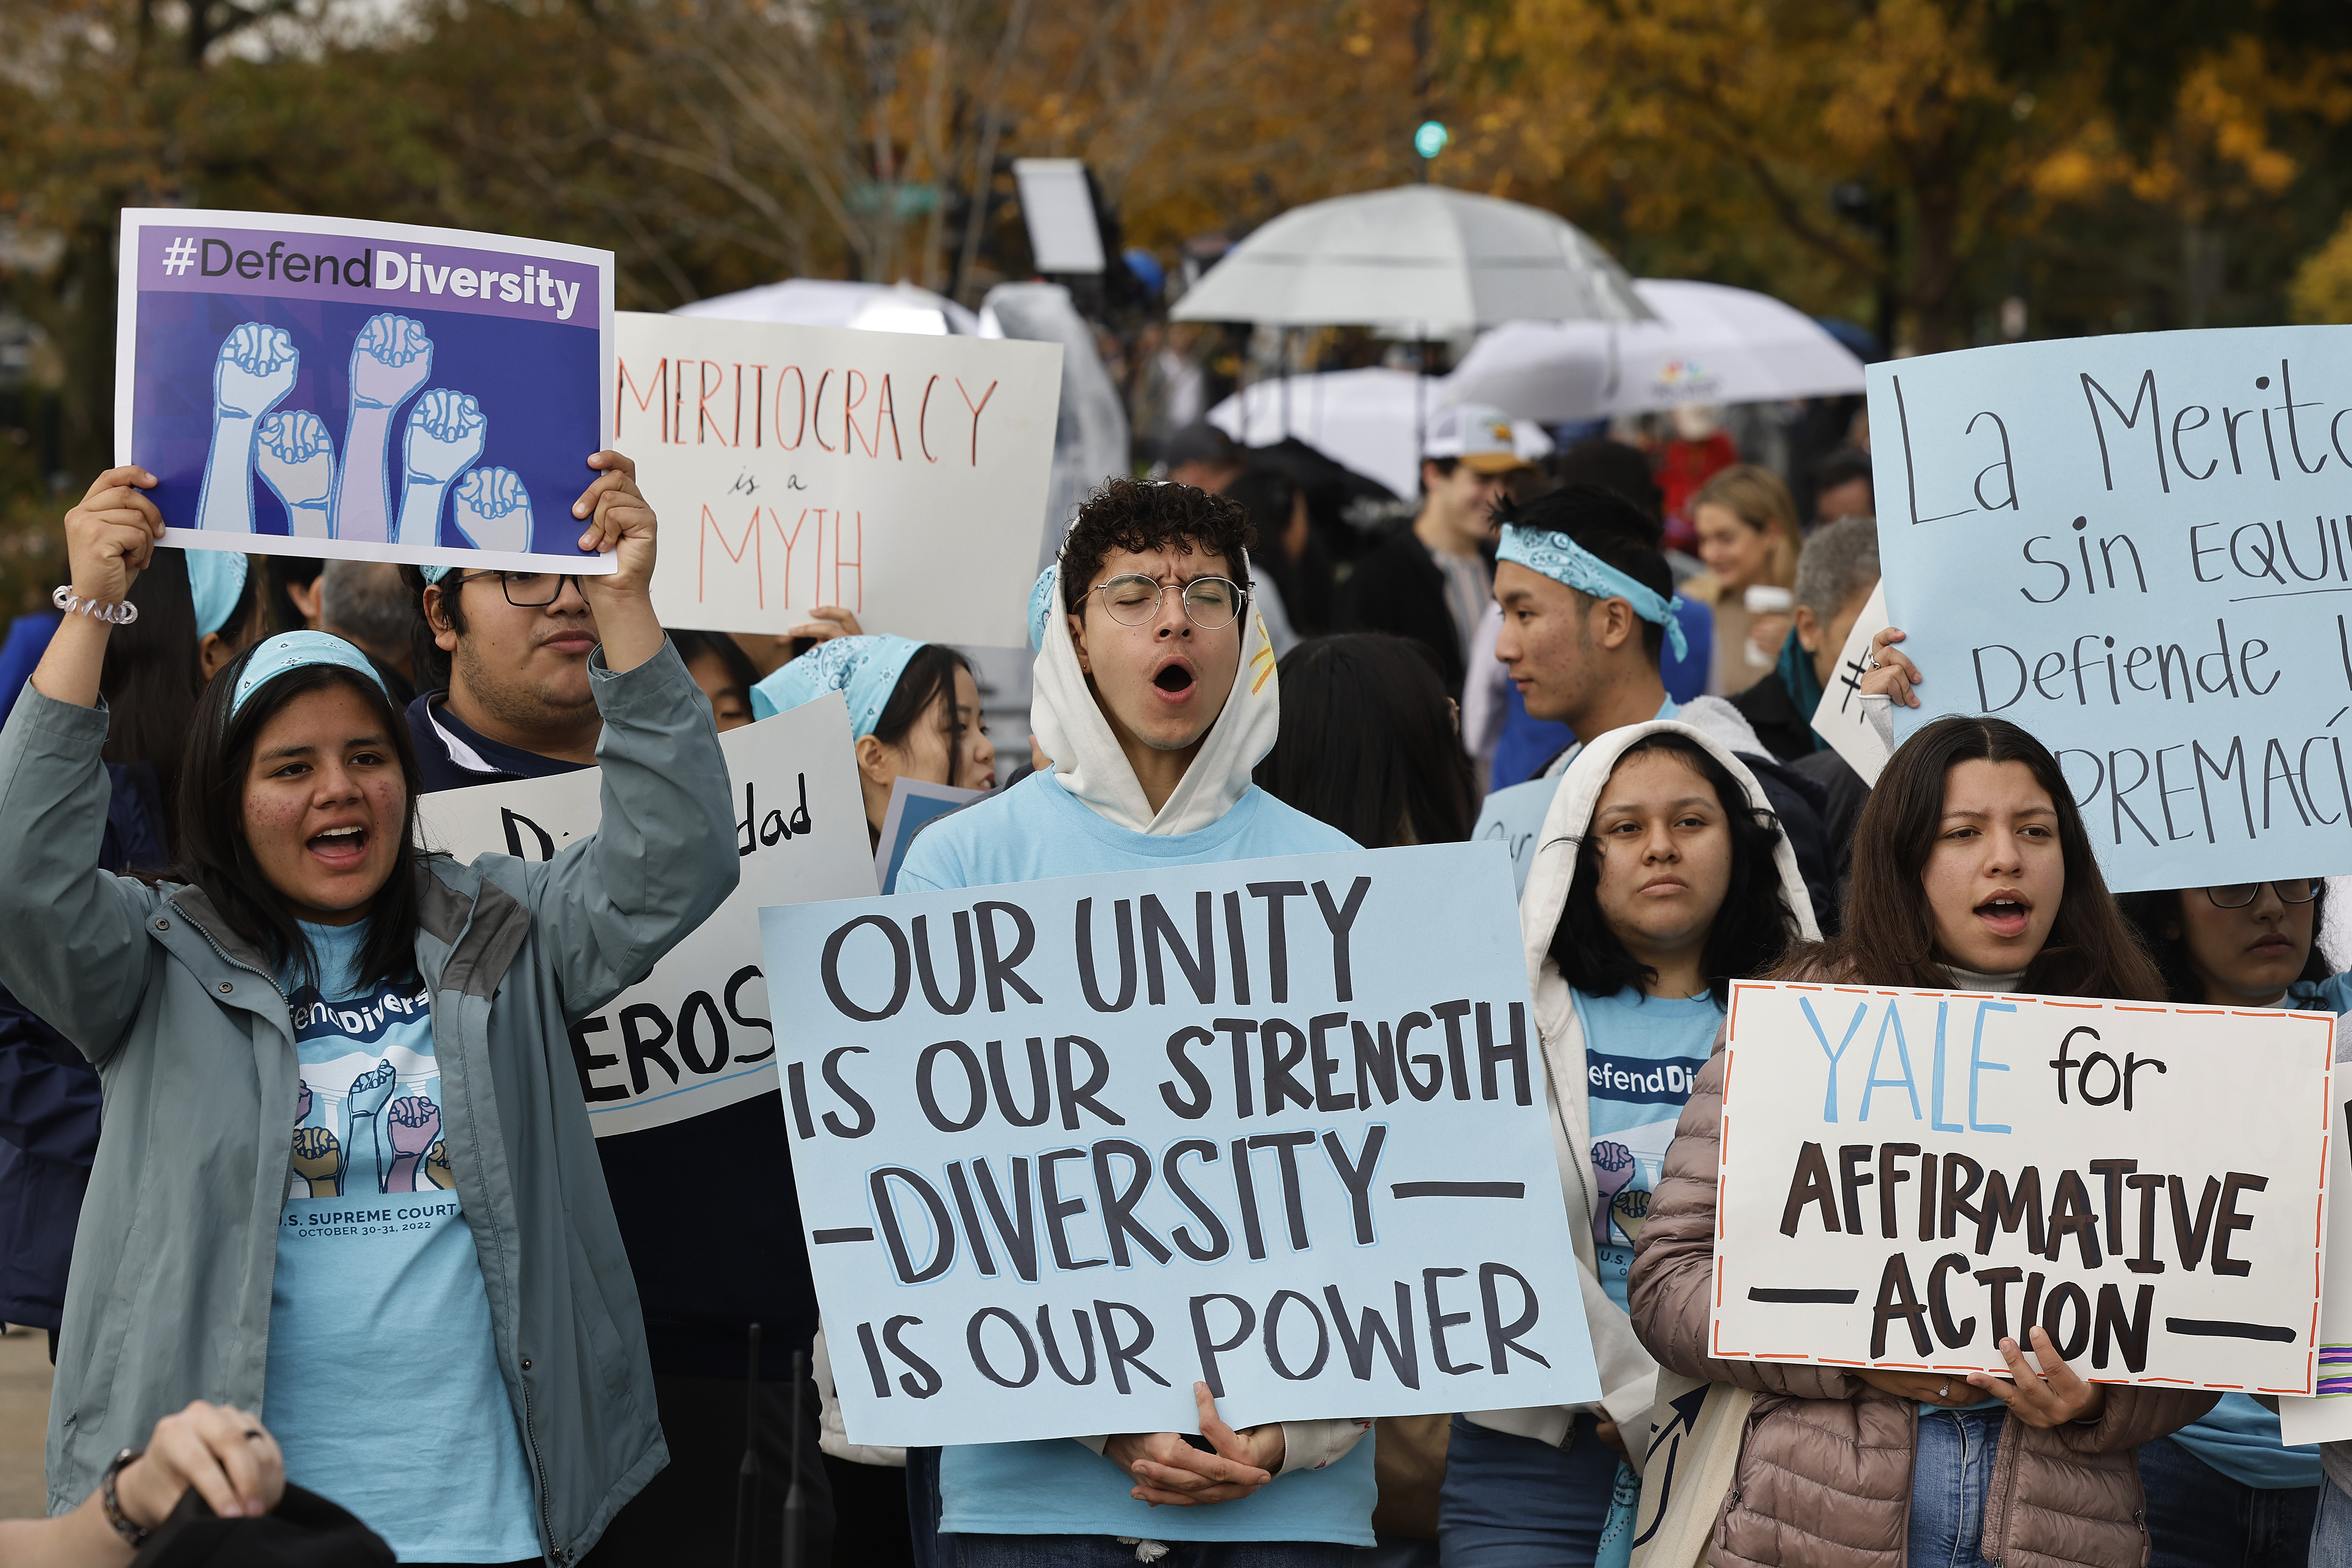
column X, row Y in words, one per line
column 1908, row 1176
column 1064, row 1148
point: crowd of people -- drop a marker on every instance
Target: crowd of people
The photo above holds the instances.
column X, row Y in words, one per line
column 215, row 890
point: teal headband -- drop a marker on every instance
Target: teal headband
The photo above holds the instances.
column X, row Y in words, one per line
column 293, row 650
column 1041, row 605
column 434, row 573
column 864, row 670
column 216, row 583
column 1563, row 560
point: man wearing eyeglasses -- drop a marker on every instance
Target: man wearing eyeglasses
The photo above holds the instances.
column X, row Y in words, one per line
column 518, row 704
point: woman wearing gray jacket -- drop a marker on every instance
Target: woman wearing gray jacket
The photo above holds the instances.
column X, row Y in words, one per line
column 347, row 1177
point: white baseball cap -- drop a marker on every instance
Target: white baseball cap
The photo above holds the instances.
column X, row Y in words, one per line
column 1479, row 436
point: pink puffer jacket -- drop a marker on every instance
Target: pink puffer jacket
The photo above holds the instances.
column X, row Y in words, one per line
column 1824, row 1475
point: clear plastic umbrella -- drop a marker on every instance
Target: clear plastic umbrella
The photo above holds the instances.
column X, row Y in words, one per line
column 830, row 302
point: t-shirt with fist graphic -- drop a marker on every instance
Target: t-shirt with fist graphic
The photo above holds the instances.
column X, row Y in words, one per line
column 1642, row 1054
column 381, row 1365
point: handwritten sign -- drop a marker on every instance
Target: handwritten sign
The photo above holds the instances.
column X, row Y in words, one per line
column 1909, row 1175
column 2136, row 547
column 1066, row 1147
column 335, row 388
column 898, row 475
column 2326, row 1418
column 697, row 1033
column 1840, row 718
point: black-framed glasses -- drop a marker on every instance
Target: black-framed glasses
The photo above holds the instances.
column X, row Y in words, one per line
column 2237, row 894
column 529, row 590
column 1133, row 600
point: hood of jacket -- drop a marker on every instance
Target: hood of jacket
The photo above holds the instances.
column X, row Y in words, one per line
column 1071, row 729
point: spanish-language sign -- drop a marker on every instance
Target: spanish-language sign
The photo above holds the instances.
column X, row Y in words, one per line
column 1840, row 718
column 898, row 475
column 2135, row 546
column 1064, row 1148
column 368, row 391
column 699, row 1033
column 2328, row 1417
column 1908, row 1176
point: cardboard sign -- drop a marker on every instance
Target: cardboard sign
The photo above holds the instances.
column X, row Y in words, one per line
column 364, row 391
column 2328, row 1417
column 1840, row 718
column 1909, row 1175
column 697, row 1033
column 913, row 803
column 898, row 475
column 1066, row 1147
column 2136, row 547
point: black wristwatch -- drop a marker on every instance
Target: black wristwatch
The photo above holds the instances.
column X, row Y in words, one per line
column 134, row 1533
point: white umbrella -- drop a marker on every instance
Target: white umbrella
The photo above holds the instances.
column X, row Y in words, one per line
column 1427, row 259
column 1709, row 343
column 1366, row 420
column 829, row 302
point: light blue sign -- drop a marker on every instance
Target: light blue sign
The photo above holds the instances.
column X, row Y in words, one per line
column 2136, row 547
column 1064, row 1148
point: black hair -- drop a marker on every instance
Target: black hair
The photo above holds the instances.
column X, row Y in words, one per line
column 1269, row 496
column 250, row 617
column 426, row 656
column 2150, row 912
column 693, row 645
column 214, row 854
column 1368, row 743
column 927, row 683
column 1750, row 932
column 285, row 572
column 1841, row 466
column 1614, row 466
column 1444, row 466
column 1139, row 515
column 152, row 679
column 1608, row 526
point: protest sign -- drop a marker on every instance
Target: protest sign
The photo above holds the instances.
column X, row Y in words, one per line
column 2136, row 547
column 1840, row 718
column 364, row 391
column 2326, row 1418
column 898, row 475
column 913, row 803
column 1908, row 1176
column 1064, row 1148
column 697, row 1033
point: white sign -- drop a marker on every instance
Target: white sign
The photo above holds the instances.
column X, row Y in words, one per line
column 2328, row 1417
column 697, row 1033
column 1840, row 718
column 1908, row 1176
column 897, row 474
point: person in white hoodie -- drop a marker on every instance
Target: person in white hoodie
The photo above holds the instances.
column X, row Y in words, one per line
column 1660, row 875
column 1155, row 695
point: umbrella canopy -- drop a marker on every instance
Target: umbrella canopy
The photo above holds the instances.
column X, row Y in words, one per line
column 1368, row 421
column 1432, row 261
column 828, row 303
column 1709, row 343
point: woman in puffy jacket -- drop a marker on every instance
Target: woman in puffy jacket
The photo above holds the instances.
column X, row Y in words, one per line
column 1972, row 870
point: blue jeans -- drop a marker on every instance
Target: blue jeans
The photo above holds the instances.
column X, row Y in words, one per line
column 2331, row 1531
column 2200, row 1518
column 1512, row 1503
column 1951, row 1469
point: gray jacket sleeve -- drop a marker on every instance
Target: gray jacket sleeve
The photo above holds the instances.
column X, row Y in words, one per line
column 76, row 952
column 662, row 855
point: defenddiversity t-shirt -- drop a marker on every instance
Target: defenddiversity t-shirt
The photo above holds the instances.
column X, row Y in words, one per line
column 383, row 1385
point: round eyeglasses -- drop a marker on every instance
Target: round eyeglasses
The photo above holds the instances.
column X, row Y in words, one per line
column 528, row 590
column 1133, row 600
column 2237, row 894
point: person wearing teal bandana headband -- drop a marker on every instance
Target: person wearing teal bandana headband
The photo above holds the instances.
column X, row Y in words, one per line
column 228, row 600
column 347, row 1065
column 914, row 712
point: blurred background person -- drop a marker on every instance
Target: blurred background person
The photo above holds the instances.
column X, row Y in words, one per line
column 1747, row 536
column 1696, row 449
column 1292, row 583
column 1842, row 486
column 1368, row 743
column 723, row 670
column 366, row 603
column 293, row 591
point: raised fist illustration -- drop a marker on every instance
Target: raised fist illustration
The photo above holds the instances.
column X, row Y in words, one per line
column 494, row 510
column 390, row 360
column 318, row 1159
column 1612, row 1168
column 414, row 1123
column 445, row 436
column 255, row 370
column 436, row 1166
column 370, row 1090
column 296, row 459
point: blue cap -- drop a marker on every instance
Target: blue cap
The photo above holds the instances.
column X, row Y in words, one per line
column 216, row 583
column 1041, row 605
column 864, row 670
column 292, row 650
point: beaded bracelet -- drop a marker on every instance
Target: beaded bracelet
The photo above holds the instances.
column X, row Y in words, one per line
column 68, row 601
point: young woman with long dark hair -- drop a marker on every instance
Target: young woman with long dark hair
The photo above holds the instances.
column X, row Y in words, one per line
column 1370, row 743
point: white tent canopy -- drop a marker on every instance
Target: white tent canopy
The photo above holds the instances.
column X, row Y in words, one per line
column 830, row 302
column 1425, row 261
column 1710, row 344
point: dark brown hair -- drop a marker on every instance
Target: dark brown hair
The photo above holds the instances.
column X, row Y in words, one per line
column 1889, row 934
column 1140, row 515
column 925, row 686
column 1368, row 743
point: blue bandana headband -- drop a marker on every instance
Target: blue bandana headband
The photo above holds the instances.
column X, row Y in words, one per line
column 216, row 583
column 1563, row 560
column 434, row 573
column 292, row 650
column 864, row 670
column 1041, row 605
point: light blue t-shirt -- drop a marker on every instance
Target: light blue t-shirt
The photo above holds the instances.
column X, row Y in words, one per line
column 1642, row 1054
column 1033, row 831
column 383, row 1384
column 1515, row 815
